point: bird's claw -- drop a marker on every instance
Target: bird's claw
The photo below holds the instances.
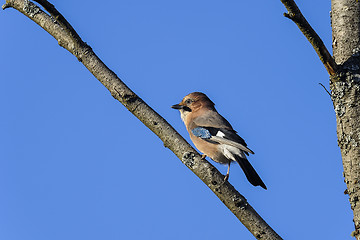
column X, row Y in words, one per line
column 226, row 177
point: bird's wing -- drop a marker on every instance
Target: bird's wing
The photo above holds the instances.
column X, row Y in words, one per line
column 210, row 118
column 221, row 136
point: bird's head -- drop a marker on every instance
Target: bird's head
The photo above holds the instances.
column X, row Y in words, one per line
column 192, row 103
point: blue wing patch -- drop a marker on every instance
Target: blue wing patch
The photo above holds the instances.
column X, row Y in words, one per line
column 201, row 132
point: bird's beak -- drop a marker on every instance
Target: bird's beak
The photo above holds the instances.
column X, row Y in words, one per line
column 177, row 106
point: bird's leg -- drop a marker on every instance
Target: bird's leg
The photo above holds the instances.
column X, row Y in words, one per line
column 227, row 174
column 203, row 156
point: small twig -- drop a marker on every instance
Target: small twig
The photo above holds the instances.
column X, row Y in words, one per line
column 5, row 6
column 50, row 8
column 326, row 89
column 296, row 16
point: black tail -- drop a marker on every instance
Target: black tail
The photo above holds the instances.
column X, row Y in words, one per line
column 250, row 172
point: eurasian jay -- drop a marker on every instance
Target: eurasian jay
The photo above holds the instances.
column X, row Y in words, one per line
column 213, row 135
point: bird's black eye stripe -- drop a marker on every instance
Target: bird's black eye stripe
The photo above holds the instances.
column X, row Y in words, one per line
column 187, row 108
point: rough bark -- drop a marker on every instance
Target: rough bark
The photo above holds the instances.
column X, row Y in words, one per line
column 66, row 36
column 345, row 87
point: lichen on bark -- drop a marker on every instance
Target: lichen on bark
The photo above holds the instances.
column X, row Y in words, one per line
column 345, row 20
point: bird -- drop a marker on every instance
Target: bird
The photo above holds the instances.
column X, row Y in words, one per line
column 213, row 135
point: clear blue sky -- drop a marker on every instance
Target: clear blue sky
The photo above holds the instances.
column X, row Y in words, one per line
column 75, row 164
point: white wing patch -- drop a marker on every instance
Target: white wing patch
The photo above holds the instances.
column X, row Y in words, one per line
column 220, row 134
column 228, row 142
column 219, row 137
column 230, row 151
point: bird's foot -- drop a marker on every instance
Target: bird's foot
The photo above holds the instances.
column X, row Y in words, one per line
column 226, row 177
column 203, row 156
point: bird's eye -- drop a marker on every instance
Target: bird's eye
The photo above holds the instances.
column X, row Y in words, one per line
column 188, row 101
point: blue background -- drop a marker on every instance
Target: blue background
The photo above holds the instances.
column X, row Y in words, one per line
column 75, row 164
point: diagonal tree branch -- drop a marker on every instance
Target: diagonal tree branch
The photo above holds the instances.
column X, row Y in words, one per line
column 296, row 16
column 60, row 18
column 67, row 37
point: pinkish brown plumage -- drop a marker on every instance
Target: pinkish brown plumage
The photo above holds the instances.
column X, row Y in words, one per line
column 213, row 135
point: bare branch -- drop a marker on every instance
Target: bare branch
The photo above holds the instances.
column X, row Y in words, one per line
column 296, row 16
column 61, row 20
column 5, row 6
column 66, row 36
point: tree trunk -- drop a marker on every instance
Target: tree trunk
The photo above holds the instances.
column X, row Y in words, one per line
column 345, row 87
